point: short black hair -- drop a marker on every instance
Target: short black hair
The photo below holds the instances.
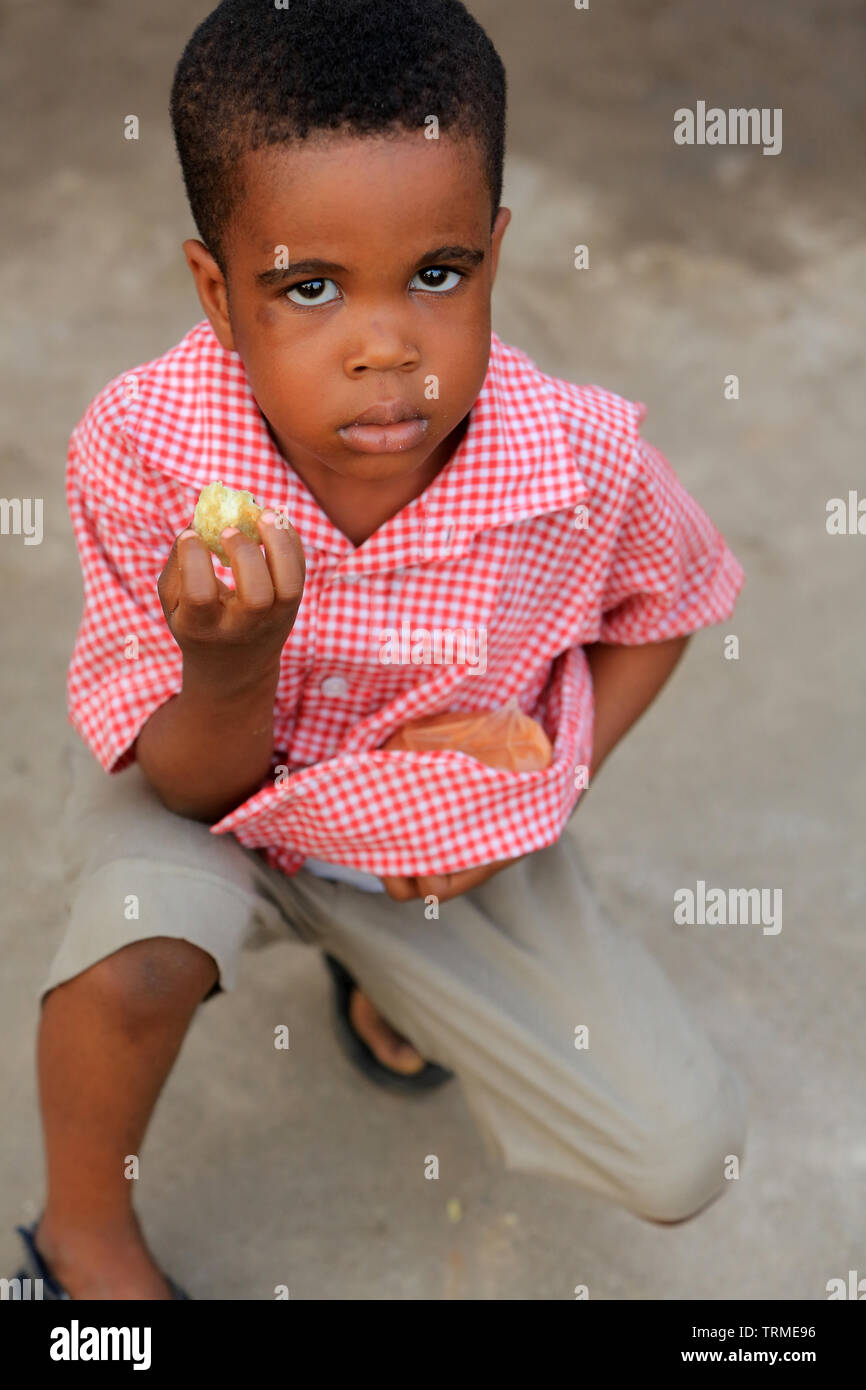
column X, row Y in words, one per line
column 254, row 75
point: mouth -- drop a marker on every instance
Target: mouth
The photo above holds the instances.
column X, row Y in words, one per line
column 385, row 413
column 388, row 428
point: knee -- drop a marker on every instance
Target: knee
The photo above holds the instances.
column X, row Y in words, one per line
column 688, row 1174
column 147, row 979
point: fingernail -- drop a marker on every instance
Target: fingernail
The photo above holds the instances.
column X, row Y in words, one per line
column 187, row 532
column 229, row 531
column 269, row 516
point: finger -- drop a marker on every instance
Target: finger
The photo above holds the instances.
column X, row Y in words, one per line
column 168, row 584
column 436, row 886
column 399, row 888
column 471, row 878
column 198, row 588
column 464, row 879
column 249, row 567
column 285, row 557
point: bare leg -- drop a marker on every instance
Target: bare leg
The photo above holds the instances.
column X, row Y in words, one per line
column 107, row 1041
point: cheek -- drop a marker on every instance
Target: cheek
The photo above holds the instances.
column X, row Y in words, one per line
column 251, row 326
column 474, row 361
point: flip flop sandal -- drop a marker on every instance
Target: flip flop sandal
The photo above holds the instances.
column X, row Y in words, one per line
column 36, row 1268
column 357, row 1050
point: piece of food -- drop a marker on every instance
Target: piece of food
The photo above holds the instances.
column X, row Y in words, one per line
column 219, row 507
column 505, row 738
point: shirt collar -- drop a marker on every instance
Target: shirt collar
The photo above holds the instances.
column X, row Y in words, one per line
column 198, row 420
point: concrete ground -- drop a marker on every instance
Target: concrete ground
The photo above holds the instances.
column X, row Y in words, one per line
column 703, row 262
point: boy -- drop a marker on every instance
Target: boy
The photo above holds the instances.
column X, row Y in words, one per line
column 343, row 164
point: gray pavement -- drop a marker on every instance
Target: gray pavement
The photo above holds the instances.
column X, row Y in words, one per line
column 704, row 262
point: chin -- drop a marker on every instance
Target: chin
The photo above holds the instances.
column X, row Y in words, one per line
column 383, row 466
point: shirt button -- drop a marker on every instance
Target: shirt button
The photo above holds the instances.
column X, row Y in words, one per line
column 334, row 685
column 351, row 578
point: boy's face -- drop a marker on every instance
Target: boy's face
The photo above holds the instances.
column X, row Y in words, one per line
column 322, row 345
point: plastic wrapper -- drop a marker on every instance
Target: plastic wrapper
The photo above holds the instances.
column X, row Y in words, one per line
column 504, row 738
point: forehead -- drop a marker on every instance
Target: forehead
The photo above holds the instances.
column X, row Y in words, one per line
column 337, row 191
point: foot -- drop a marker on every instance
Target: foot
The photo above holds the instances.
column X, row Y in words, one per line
column 93, row 1268
column 391, row 1049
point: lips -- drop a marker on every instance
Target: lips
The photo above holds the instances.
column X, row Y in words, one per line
column 391, row 438
column 386, row 413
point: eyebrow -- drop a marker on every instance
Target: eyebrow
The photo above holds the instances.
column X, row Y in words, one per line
column 471, row 255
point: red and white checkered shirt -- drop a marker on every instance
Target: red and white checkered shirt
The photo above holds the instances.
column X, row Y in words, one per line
column 553, row 525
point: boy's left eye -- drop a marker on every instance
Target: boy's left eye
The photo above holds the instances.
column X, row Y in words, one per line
column 440, row 270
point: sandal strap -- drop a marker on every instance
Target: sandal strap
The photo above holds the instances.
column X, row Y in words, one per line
column 36, row 1267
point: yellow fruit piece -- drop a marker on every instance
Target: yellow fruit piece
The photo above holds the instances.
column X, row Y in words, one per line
column 219, row 507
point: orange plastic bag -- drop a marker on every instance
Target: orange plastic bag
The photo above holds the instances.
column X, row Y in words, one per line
column 505, row 738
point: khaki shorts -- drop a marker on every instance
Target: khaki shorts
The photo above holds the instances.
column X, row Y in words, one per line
column 647, row 1115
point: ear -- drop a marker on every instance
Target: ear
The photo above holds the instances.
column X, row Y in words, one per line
column 212, row 291
column 503, row 217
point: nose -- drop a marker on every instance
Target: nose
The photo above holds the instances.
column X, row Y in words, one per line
column 382, row 347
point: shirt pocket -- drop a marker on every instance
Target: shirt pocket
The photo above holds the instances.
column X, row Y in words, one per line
column 406, row 813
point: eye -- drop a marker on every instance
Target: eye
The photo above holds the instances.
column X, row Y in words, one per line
column 309, row 290
column 440, row 270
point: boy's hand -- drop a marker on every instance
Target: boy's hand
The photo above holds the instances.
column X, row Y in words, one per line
column 232, row 636
column 444, row 886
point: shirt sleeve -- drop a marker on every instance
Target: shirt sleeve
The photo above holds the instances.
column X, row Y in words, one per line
column 671, row 571
column 125, row 662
